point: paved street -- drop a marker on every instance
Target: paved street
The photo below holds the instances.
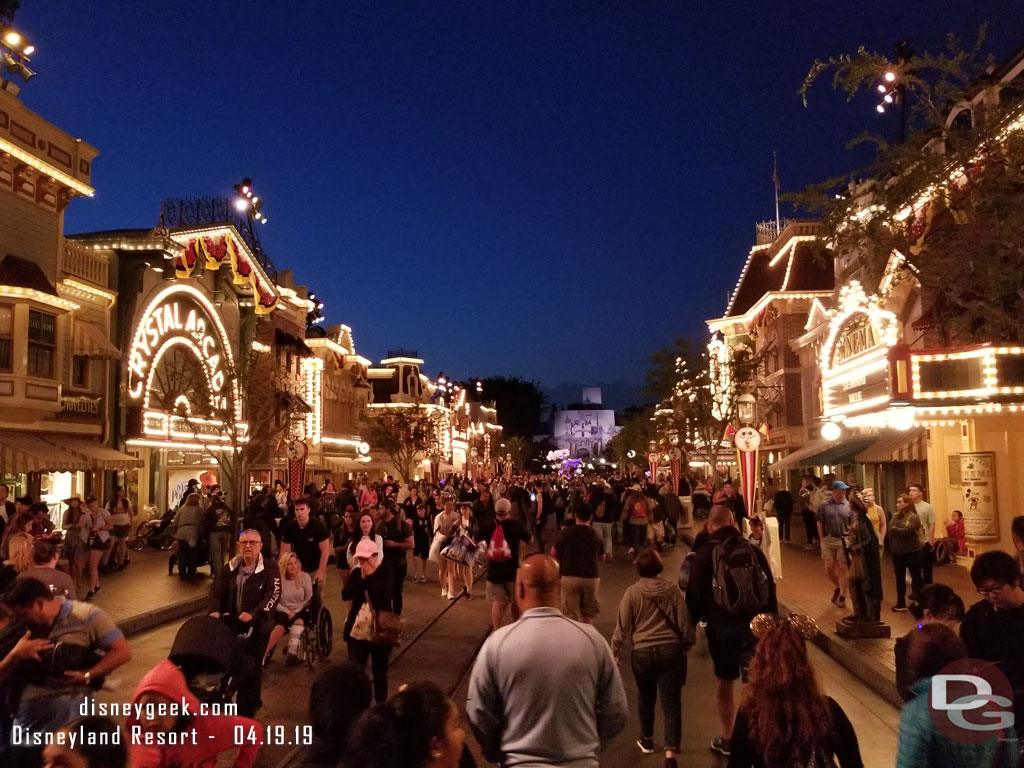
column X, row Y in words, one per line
column 445, row 649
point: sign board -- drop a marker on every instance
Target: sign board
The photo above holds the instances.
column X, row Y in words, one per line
column 80, row 406
column 978, row 484
column 856, row 337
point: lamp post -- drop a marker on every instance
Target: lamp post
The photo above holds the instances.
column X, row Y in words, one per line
column 747, row 440
column 652, row 459
column 675, row 462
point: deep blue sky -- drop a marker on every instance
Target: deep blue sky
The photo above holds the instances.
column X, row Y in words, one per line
column 540, row 188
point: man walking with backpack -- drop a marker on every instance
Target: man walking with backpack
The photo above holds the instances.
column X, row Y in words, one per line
column 730, row 583
column 503, row 536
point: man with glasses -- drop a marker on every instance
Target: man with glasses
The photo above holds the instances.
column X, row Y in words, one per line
column 993, row 628
column 245, row 597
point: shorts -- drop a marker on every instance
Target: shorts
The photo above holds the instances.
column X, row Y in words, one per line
column 500, row 591
column 579, row 597
column 421, row 548
column 121, row 531
column 831, row 548
column 97, row 545
column 731, row 650
column 281, row 618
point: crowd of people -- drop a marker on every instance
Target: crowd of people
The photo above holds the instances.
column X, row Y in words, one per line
column 544, row 539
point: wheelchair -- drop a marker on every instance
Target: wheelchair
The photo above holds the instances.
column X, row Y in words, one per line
column 318, row 637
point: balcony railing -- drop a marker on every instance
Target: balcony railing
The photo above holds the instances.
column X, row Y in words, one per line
column 85, row 265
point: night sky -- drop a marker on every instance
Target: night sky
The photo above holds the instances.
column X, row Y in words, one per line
column 539, row 188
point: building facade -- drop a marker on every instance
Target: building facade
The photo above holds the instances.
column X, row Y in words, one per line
column 57, row 359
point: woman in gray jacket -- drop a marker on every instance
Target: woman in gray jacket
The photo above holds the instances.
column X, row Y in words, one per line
column 188, row 521
column 653, row 616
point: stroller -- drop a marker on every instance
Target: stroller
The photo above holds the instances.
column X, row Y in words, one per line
column 208, row 653
column 156, row 533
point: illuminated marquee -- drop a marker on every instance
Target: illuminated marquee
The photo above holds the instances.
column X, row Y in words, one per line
column 854, row 358
column 179, row 316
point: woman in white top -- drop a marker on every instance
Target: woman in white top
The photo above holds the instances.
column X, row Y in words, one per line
column 121, row 520
column 296, row 594
column 364, row 530
column 443, row 524
column 98, row 542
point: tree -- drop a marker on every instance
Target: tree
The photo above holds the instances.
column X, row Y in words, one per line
column 517, row 448
column 630, row 444
column 253, row 412
column 943, row 207
column 519, row 404
column 699, row 393
column 405, row 434
column 7, row 10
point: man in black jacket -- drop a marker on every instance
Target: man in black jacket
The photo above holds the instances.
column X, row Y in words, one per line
column 730, row 641
column 245, row 597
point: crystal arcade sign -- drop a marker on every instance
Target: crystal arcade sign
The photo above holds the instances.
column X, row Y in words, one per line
column 179, row 316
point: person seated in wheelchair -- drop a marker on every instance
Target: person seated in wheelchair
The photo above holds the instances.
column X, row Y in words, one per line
column 245, row 597
column 292, row 612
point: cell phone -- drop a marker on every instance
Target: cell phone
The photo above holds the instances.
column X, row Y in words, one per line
column 533, row 497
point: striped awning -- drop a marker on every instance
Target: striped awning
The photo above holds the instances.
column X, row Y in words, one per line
column 98, row 456
column 89, row 341
column 23, row 452
column 894, row 446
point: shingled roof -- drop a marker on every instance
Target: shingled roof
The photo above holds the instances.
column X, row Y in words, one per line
column 22, row 273
column 806, row 266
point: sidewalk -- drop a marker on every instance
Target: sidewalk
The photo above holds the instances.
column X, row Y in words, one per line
column 805, row 589
column 143, row 596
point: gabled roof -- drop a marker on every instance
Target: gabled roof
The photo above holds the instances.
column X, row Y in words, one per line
column 17, row 272
column 798, row 263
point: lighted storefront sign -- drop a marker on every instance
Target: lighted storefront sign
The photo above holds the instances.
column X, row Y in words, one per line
column 854, row 364
column 179, row 316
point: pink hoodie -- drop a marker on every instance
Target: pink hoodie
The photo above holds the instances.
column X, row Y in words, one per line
column 214, row 733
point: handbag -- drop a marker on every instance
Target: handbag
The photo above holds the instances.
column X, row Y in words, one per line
column 365, row 626
column 461, row 550
column 435, row 547
column 389, row 629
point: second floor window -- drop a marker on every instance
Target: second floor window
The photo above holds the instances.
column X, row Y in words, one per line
column 6, row 337
column 42, row 343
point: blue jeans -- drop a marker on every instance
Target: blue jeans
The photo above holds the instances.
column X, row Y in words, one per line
column 660, row 669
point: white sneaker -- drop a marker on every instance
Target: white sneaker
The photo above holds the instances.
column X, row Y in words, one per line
column 444, row 593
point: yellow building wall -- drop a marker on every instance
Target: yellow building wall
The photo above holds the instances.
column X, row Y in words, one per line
column 1003, row 434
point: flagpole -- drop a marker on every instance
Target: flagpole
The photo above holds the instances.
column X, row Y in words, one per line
column 775, row 177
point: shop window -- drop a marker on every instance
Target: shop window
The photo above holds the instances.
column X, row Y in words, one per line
column 80, row 372
column 42, row 343
column 6, row 337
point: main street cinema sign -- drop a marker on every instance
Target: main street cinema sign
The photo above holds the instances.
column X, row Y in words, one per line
column 179, row 316
column 854, row 358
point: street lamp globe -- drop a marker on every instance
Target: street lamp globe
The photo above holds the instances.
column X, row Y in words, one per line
column 831, row 431
column 745, row 406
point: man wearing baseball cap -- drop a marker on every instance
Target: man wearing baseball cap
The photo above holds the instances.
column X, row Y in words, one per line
column 503, row 560
column 833, row 519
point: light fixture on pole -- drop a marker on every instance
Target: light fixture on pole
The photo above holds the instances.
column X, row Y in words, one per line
column 831, row 431
column 249, row 203
column 14, row 53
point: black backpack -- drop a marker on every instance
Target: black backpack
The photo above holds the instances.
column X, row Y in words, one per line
column 739, row 581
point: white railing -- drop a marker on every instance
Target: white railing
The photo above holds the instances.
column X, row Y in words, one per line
column 85, row 265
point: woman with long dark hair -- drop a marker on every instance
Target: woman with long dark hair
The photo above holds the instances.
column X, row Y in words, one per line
column 784, row 719
column 364, row 530
column 417, row 727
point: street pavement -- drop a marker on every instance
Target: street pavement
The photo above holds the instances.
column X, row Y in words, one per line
column 805, row 589
column 445, row 650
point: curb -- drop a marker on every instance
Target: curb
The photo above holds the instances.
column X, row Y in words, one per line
column 143, row 622
column 875, row 676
